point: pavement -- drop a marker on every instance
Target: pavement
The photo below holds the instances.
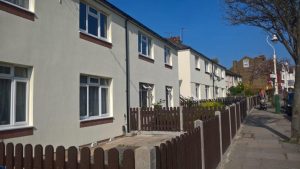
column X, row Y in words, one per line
column 262, row 143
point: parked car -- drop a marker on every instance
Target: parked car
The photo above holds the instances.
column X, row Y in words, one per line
column 289, row 103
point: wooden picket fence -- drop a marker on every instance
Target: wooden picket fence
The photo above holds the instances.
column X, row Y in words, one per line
column 27, row 157
column 182, row 152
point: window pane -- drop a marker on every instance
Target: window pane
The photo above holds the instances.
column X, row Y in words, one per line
column 104, row 82
column 144, row 48
column 21, row 3
column 149, row 47
column 83, row 101
column 21, row 72
column 92, row 10
column 94, row 101
column 139, row 41
column 103, row 24
column 20, row 101
column 82, row 16
column 94, row 80
column 93, row 25
column 5, row 90
column 4, row 70
column 104, row 100
column 83, row 79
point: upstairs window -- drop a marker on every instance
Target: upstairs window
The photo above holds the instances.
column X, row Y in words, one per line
column 223, row 74
column 20, row 3
column 168, row 59
column 197, row 62
column 92, row 21
column 94, row 97
column 207, row 68
column 145, row 45
column 146, row 95
column 246, row 63
column 14, row 82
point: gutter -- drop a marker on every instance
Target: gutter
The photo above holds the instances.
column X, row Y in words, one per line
column 127, row 76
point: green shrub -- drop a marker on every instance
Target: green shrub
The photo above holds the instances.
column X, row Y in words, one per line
column 211, row 104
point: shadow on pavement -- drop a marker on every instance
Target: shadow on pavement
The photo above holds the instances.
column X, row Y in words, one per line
column 262, row 121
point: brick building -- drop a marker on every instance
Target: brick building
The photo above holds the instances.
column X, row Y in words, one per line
column 254, row 71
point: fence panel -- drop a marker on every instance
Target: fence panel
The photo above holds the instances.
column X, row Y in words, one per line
column 133, row 118
column 225, row 129
column 238, row 116
column 24, row 158
column 211, row 135
column 233, row 119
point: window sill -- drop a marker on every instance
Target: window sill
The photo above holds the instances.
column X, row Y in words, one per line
column 146, row 58
column 198, row 69
column 94, row 122
column 95, row 40
column 16, row 10
column 12, row 132
column 168, row 66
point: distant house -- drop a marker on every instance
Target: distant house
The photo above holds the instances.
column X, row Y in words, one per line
column 232, row 79
column 254, row 71
column 199, row 76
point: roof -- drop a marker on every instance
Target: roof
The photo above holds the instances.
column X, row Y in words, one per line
column 228, row 72
column 182, row 46
column 134, row 21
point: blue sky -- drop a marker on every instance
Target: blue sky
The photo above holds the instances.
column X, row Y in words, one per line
column 205, row 28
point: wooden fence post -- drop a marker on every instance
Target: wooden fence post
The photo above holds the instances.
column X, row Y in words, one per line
column 202, row 144
column 218, row 114
column 236, row 127
column 139, row 119
column 181, row 118
column 228, row 107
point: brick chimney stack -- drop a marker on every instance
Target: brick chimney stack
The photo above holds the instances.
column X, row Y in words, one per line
column 175, row 39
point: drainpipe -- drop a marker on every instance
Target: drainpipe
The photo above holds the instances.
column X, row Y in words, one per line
column 127, row 76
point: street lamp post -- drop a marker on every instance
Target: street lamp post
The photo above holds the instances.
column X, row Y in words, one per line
column 276, row 96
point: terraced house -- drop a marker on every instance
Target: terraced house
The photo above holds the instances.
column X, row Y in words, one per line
column 200, row 77
column 67, row 69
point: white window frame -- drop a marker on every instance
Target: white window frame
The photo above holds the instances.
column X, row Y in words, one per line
column 217, row 91
column 150, row 93
column 146, row 39
column 197, row 62
column 87, row 85
column 167, row 56
column 246, row 63
column 30, row 5
column 98, row 16
column 207, row 67
column 13, row 93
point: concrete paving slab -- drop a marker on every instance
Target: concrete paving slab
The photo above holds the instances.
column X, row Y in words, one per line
column 261, row 144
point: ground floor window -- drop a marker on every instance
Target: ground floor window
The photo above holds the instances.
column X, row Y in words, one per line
column 94, row 97
column 13, row 95
column 217, row 91
column 169, row 96
column 197, row 90
column 207, row 92
column 20, row 3
column 146, row 94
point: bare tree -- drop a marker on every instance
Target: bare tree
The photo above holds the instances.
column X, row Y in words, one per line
column 280, row 17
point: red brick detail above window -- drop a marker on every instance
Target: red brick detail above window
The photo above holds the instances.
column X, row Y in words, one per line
column 12, row 133
column 16, row 11
column 95, row 122
column 95, row 40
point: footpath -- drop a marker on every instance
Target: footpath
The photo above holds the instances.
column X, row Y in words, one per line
column 262, row 144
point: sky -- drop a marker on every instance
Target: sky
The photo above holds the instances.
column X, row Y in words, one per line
column 204, row 25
